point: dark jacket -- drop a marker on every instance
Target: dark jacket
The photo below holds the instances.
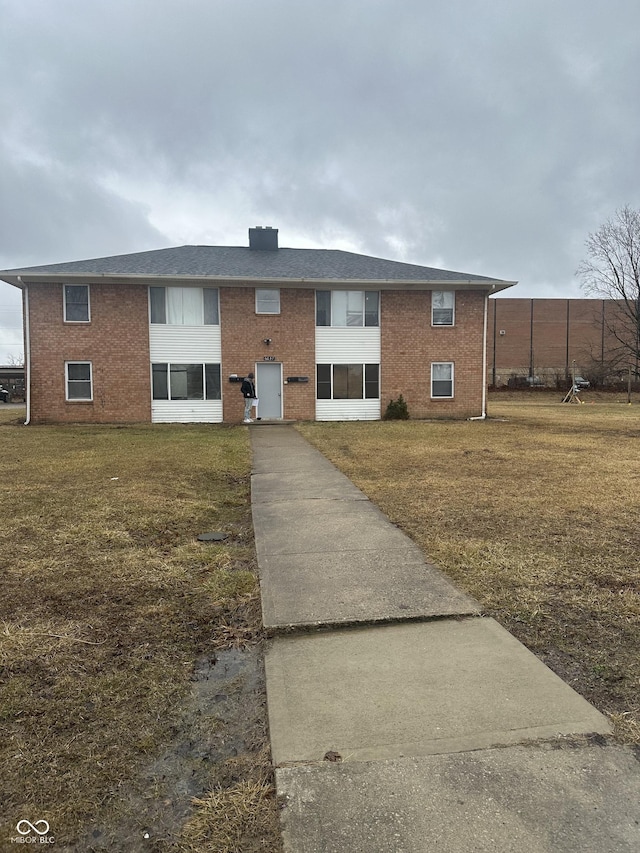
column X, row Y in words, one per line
column 248, row 388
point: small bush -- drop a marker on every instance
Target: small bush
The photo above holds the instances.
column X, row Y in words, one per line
column 397, row 410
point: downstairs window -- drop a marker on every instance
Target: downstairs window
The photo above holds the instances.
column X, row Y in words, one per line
column 186, row 382
column 442, row 379
column 79, row 380
column 348, row 381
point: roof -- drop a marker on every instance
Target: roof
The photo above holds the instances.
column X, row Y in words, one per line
column 217, row 263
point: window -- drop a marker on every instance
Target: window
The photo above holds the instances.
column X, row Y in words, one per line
column 186, row 382
column 442, row 379
column 323, row 385
column 442, row 307
column 267, row 301
column 78, row 380
column 184, row 306
column 76, row 303
column 371, row 381
column 351, row 308
column 347, row 381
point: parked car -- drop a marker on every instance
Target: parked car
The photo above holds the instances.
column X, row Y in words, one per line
column 581, row 383
column 4, row 394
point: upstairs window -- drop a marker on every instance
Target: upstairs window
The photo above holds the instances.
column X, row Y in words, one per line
column 76, row 303
column 267, row 301
column 347, row 308
column 442, row 307
column 184, row 306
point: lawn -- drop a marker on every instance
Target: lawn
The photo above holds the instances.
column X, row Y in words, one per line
column 535, row 512
column 131, row 688
column 132, row 704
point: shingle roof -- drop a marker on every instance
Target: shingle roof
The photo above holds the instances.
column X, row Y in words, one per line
column 241, row 262
column 230, row 262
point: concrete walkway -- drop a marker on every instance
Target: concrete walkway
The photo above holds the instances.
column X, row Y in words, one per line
column 401, row 719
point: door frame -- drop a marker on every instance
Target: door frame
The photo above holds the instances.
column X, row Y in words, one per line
column 278, row 364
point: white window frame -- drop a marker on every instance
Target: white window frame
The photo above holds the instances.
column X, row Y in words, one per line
column 203, row 365
column 67, row 381
column 332, row 367
column 345, row 299
column 452, row 307
column 265, row 297
column 64, row 301
column 167, row 311
column 443, row 396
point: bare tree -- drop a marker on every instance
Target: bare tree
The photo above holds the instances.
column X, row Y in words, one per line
column 611, row 270
column 14, row 360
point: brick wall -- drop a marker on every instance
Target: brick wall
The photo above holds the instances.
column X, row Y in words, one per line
column 543, row 337
column 410, row 344
column 116, row 342
column 292, row 334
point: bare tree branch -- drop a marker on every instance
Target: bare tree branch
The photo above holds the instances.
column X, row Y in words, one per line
column 611, row 270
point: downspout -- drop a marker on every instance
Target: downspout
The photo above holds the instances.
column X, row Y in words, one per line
column 27, row 349
column 484, row 361
column 495, row 327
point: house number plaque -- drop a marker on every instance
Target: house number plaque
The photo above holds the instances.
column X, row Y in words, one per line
column 269, row 358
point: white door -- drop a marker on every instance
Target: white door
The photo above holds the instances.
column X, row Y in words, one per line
column 269, row 390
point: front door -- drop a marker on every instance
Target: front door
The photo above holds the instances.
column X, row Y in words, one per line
column 269, row 390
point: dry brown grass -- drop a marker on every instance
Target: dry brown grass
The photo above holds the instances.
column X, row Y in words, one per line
column 535, row 513
column 107, row 603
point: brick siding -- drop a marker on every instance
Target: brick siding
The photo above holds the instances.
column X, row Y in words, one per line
column 115, row 341
column 410, row 344
column 292, row 334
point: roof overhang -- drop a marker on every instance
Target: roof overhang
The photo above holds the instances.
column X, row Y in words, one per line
column 488, row 286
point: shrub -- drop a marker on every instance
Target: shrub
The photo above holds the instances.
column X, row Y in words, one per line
column 397, row 410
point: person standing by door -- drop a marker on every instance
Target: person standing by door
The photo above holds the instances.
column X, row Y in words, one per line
column 248, row 389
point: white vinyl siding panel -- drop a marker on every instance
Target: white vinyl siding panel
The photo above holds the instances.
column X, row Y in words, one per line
column 186, row 411
column 347, row 410
column 185, row 344
column 347, row 346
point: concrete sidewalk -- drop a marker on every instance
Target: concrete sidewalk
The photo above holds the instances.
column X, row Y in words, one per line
column 410, row 722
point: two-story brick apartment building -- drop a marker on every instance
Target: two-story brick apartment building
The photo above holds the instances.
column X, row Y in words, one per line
column 163, row 336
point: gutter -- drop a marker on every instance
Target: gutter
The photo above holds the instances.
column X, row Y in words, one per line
column 484, row 361
column 27, row 349
column 166, row 279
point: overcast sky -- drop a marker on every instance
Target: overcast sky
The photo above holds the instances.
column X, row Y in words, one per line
column 486, row 136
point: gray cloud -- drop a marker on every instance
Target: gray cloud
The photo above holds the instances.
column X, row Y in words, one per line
column 483, row 136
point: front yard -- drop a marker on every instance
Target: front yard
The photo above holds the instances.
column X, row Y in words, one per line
column 132, row 703
column 535, row 512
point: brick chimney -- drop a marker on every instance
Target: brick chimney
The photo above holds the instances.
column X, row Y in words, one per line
column 263, row 237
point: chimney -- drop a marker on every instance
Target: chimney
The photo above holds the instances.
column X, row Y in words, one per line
column 263, row 237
